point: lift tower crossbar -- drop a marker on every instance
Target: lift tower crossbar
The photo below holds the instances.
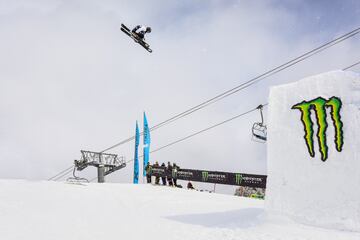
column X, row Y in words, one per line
column 105, row 163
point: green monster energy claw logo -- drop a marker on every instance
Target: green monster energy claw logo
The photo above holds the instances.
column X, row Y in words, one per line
column 205, row 176
column 238, row 178
column 319, row 105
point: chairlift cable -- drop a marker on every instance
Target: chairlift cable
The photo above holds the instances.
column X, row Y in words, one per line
column 247, row 84
column 356, row 31
column 67, row 169
column 63, row 175
column 353, row 65
column 206, row 129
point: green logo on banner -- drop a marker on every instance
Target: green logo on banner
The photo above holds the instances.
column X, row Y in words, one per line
column 319, row 105
column 238, row 178
column 205, row 176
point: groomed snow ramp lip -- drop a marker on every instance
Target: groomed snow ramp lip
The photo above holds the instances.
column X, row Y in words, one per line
column 313, row 150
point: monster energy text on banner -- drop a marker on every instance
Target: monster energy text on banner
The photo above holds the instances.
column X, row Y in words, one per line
column 214, row 177
column 185, row 174
column 319, row 105
column 228, row 178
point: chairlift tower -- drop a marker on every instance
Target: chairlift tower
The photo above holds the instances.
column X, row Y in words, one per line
column 105, row 163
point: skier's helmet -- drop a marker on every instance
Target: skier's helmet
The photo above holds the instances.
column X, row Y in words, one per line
column 148, row 29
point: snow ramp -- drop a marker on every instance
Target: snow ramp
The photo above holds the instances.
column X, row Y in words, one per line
column 314, row 150
column 33, row 210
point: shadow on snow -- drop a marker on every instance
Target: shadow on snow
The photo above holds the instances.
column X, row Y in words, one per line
column 242, row 218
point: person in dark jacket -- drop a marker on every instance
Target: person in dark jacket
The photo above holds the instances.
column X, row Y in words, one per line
column 163, row 178
column 190, row 186
column 169, row 174
column 148, row 170
column 157, row 178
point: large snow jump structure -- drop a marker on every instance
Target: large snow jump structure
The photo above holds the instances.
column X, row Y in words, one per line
column 314, row 150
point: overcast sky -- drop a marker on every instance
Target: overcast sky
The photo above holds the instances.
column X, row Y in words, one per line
column 71, row 80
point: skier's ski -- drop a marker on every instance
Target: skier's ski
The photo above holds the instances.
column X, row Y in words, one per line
column 128, row 32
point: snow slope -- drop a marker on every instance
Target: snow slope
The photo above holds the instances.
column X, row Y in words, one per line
column 323, row 193
column 61, row 211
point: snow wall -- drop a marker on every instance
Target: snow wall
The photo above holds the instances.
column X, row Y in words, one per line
column 314, row 150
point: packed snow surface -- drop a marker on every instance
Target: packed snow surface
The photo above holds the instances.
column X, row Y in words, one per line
column 62, row 211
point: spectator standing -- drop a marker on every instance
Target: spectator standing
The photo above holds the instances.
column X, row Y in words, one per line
column 169, row 174
column 175, row 169
column 157, row 177
column 148, row 170
column 163, row 178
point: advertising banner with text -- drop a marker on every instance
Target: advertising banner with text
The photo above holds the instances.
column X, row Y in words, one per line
column 238, row 179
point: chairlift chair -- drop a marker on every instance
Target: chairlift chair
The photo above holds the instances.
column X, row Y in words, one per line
column 75, row 179
column 259, row 131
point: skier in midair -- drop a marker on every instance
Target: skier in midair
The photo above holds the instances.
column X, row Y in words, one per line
column 138, row 35
column 140, row 31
